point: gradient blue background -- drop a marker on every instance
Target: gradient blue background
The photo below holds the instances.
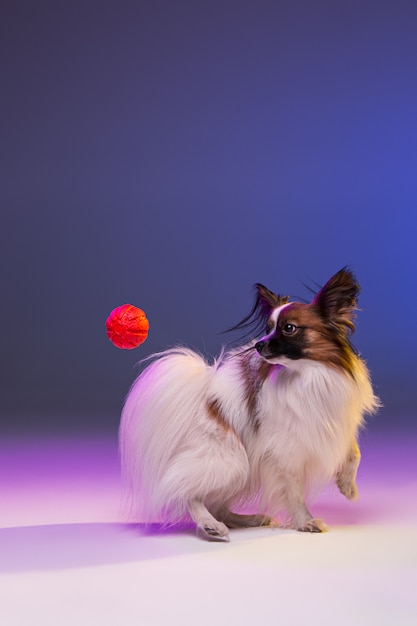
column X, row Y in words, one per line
column 171, row 154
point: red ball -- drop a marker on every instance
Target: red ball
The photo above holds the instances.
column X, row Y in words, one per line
column 127, row 326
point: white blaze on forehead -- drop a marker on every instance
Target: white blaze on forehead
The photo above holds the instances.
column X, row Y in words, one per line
column 277, row 312
column 274, row 318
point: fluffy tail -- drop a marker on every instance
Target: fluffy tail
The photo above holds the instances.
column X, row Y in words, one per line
column 160, row 419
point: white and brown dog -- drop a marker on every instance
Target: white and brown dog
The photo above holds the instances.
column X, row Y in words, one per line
column 260, row 427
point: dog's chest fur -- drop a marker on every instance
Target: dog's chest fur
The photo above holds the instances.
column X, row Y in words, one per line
column 302, row 417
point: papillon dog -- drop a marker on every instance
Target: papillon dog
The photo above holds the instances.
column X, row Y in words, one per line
column 238, row 442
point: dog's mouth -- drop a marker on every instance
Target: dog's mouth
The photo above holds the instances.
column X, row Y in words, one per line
column 278, row 360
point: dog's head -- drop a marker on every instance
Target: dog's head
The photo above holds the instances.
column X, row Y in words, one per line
column 319, row 330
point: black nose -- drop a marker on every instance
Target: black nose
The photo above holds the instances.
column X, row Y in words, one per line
column 259, row 346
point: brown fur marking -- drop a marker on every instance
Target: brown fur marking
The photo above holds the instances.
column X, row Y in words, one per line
column 254, row 381
column 215, row 413
column 324, row 342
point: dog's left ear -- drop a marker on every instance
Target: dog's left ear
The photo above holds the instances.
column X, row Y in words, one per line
column 338, row 299
column 265, row 302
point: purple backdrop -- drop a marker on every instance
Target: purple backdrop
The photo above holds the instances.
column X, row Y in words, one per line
column 172, row 154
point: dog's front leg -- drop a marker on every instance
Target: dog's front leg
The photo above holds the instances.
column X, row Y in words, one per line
column 346, row 476
column 300, row 517
column 285, row 488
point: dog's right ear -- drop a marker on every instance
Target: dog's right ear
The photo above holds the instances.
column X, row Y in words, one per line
column 338, row 299
column 265, row 302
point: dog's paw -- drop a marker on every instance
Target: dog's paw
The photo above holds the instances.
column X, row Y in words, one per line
column 215, row 531
column 313, row 526
column 348, row 489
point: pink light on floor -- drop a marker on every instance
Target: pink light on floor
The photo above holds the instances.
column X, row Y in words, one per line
column 67, row 556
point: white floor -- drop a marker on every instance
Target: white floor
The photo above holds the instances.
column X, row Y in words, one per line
column 67, row 558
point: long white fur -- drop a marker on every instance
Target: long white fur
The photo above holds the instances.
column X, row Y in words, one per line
column 171, row 451
column 179, row 461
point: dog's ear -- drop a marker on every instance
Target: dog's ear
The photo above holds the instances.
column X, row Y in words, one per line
column 268, row 300
column 338, row 299
column 265, row 302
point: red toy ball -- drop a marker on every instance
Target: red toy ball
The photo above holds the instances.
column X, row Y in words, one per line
column 127, row 326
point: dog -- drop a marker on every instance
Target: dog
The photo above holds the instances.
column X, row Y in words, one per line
column 240, row 441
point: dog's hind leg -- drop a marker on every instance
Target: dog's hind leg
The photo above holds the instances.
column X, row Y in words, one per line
column 236, row 520
column 207, row 525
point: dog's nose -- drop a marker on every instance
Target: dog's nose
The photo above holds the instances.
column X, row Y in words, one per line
column 259, row 346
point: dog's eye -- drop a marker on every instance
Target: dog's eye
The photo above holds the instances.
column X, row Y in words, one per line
column 289, row 329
